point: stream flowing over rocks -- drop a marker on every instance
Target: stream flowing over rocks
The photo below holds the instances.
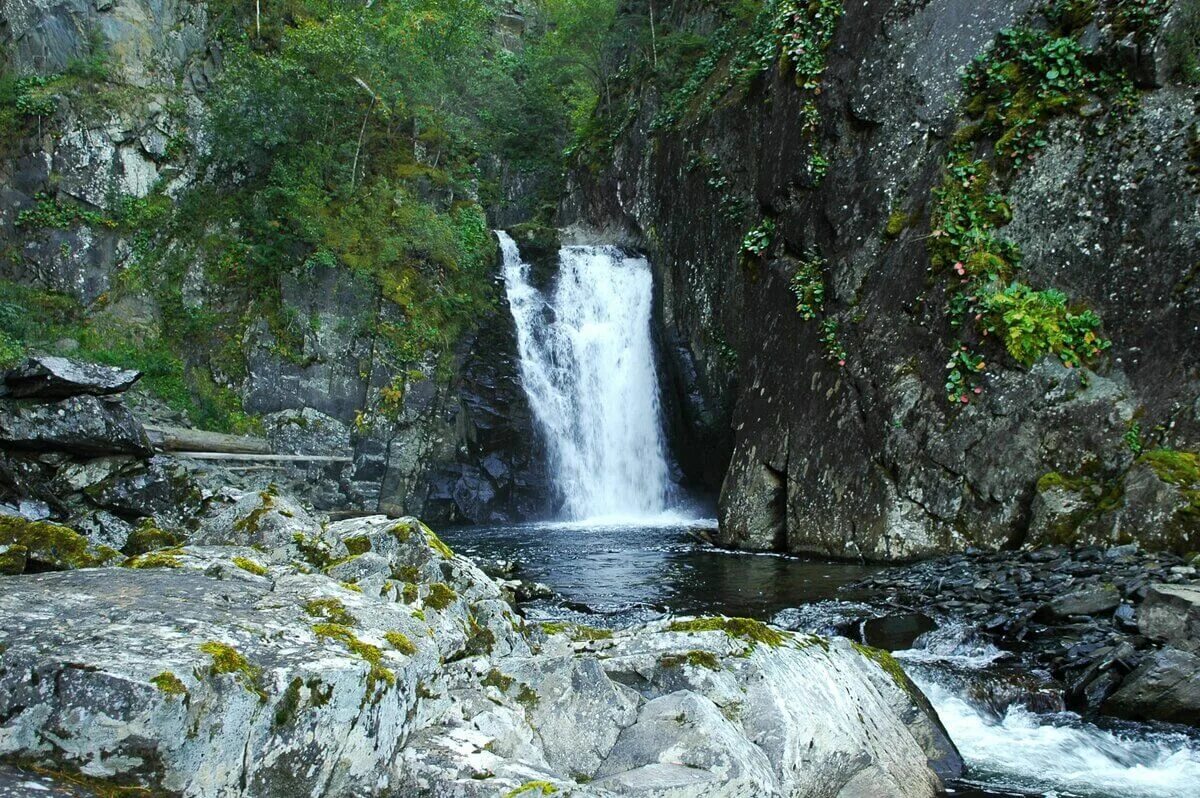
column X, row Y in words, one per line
column 1104, row 632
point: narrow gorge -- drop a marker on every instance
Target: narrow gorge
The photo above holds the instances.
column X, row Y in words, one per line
column 465, row 398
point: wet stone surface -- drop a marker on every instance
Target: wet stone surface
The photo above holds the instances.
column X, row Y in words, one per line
column 1073, row 614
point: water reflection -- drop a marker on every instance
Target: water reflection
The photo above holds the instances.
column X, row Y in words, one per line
column 629, row 572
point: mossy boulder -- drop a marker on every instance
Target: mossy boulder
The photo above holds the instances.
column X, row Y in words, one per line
column 44, row 546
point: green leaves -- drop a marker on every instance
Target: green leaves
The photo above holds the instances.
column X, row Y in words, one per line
column 758, row 240
column 808, row 284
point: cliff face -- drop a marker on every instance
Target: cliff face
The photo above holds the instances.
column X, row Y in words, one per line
column 852, row 255
column 105, row 135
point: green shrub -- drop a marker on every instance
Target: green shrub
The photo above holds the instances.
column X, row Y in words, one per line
column 1032, row 324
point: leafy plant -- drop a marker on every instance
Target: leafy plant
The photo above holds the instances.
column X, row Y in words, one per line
column 758, row 241
column 834, row 351
column 808, row 284
column 1032, row 324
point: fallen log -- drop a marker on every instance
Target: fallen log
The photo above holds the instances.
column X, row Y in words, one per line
column 179, row 439
column 283, row 458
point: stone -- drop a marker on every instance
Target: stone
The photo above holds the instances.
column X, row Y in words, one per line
column 1092, row 600
column 83, row 425
column 267, row 519
column 247, row 672
column 1171, row 614
column 58, row 378
column 1165, row 687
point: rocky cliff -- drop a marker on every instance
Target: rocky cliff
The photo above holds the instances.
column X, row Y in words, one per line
column 933, row 263
column 106, row 160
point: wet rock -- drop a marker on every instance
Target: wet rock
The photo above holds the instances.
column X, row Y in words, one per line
column 83, row 425
column 159, row 487
column 59, row 377
column 1171, row 614
column 1165, row 687
column 1089, row 601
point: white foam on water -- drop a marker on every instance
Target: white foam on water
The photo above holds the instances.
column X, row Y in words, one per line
column 1055, row 755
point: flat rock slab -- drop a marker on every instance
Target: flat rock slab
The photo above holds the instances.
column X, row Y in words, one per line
column 60, row 377
column 1171, row 614
column 1088, row 601
column 85, row 425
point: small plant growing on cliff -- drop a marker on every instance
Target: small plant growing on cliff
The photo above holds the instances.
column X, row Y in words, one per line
column 834, row 351
column 758, row 241
column 1035, row 323
column 808, row 284
column 962, row 374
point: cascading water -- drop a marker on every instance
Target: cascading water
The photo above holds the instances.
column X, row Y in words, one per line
column 587, row 364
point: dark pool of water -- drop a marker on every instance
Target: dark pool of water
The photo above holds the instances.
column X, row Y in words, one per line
column 629, row 572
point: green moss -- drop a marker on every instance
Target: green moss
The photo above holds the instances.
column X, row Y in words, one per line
column 746, row 629
column 528, row 697
column 148, row 537
column 695, row 658
column 358, row 545
column 581, row 633
column 289, row 703
column 169, row 683
column 253, row 520
column 227, row 659
column 480, row 639
column 495, row 678
column 400, row 642
column 378, row 674
column 1175, row 467
column 402, row 531
column 13, row 560
column 555, row 627
column 887, row 663
column 437, row 545
column 329, row 609
column 351, row 586
column 313, row 551
column 50, row 545
column 90, row 785
column 440, row 596
column 407, row 573
column 531, row 788
column 249, row 566
column 410, row 593
column 166, row 558
column 897, row 222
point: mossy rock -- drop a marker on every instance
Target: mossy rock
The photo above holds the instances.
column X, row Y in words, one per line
column 45, row 546
column 747, row 630
column 149, row 537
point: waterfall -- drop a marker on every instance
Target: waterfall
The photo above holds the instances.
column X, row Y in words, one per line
column 587, row 365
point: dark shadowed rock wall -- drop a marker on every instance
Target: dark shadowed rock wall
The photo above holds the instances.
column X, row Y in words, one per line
column 870, row 459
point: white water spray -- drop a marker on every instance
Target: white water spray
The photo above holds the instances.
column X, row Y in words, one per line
column 587, row 365
column 1053, row 755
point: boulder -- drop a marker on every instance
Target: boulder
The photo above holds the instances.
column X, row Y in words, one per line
column 1165, row 687
column 265, row 518
column 90, row 426
column 60, row 377
column 234, row 671
column 1171, row 614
